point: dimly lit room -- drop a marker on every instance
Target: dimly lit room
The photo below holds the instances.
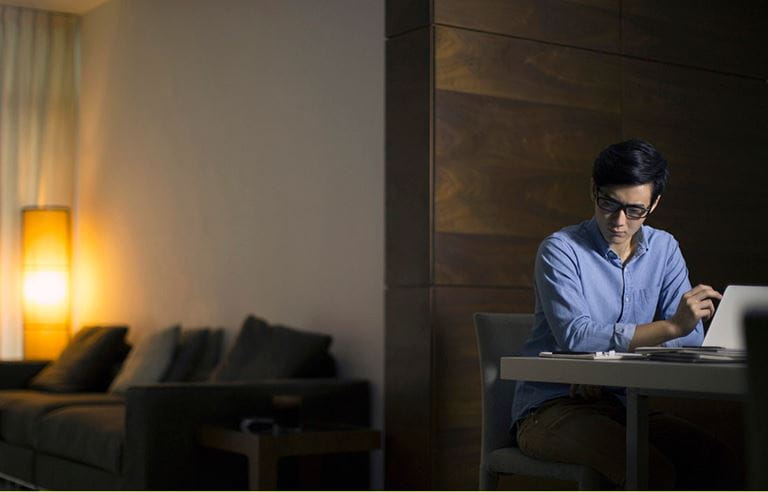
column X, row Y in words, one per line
column 383, row 244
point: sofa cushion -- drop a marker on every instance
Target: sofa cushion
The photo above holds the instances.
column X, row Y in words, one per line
column 89, row 434
column 189, row 350
column 148, row 361
column 17, row 462
column 210, row 357
column 262, row 351
column 21, row 411
column 86, row 363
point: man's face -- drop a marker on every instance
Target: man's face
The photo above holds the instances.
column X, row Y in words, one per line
column 618, row 227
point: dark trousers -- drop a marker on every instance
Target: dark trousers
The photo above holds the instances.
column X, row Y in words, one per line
column 682, row 455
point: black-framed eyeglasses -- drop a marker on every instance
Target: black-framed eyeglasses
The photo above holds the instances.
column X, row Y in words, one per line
column 610, row 205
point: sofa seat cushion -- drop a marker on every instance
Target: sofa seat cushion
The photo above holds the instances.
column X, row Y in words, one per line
column 21, row 411
column 90, row 434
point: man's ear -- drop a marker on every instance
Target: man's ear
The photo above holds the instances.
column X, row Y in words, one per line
column 656, row 203
column 592, row 189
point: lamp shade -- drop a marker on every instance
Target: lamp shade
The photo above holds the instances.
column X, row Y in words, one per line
column 46, row 254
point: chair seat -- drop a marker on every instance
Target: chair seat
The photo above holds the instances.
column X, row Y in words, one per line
column 500, row 334
column 512, row 461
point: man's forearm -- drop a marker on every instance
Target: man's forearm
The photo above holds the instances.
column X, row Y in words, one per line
column 655, row 333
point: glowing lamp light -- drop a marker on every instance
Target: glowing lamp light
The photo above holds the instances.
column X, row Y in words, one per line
column 45, row 289
column 46, row 280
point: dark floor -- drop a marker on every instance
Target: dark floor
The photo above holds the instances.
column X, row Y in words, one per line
column 9, row 485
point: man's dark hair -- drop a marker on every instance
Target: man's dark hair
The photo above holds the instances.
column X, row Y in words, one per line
column 632, row 162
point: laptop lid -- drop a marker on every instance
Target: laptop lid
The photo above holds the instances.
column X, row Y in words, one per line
column 726, row 327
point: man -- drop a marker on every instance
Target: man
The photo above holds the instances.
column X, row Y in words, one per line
column 614, row 283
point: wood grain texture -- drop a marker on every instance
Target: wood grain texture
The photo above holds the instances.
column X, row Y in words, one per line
column 408, row 153
column 722, row 36
column 486, row 64
column 516, row 125
column 589, row 24
column 405, row 15
column 484, row 260
column 513, row 167
column 457, row 378
column 507, row 174
column 408, row 389
column 710, row 127
column 513, row 154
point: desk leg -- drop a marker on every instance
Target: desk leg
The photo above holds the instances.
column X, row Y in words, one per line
column 262, row 470
column 637, row 440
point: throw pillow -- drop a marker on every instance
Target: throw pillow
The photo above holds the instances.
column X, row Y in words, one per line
column 262, row 351
column 86, row 363
column 210, row 357
column 187, row 355
column 148, row 360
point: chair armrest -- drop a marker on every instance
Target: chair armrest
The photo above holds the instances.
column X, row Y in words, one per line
column 162, row 420
column 16, row 374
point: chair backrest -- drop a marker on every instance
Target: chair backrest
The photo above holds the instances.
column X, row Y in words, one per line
column 498, row 335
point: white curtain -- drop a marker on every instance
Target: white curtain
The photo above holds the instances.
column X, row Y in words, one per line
column 38, row 137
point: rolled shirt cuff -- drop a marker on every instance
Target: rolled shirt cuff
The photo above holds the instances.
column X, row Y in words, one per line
column 622, row 335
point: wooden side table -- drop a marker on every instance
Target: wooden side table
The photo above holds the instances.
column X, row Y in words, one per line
column 265, row 448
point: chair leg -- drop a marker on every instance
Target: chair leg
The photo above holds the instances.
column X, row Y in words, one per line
column 488, row 480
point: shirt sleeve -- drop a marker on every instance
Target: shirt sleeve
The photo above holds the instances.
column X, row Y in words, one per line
column 560, row 291
column 674, row 285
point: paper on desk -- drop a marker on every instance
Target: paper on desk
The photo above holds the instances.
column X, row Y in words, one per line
column 609, row 355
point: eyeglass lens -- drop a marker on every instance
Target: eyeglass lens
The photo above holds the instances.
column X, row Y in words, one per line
column 612, row 206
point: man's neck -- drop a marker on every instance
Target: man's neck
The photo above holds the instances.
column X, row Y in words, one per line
column 626, row 250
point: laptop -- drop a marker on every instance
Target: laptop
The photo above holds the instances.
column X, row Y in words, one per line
column 726, row 327
column 724, row 341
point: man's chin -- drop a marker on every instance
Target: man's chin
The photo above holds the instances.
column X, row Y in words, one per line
column 614, row 238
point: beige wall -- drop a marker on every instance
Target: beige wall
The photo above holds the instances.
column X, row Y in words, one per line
column 232, row 163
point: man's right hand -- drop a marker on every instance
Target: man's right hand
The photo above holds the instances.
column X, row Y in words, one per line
column 696, row 304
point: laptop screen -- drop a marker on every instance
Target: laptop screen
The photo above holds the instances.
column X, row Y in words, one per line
column 726, row 327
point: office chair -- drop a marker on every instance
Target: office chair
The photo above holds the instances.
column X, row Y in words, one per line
column 501, row 335
column 756, row 336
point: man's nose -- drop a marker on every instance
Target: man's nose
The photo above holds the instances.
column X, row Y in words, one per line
column 621, row 216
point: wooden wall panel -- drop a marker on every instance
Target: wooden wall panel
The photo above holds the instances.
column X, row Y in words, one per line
column 711, row 127
column 485, row 64
column 408, row 153
column 494, row 117
column 723, row 36
column 590, row 24
column 408, row 389
column 516, row 128
column 457, row 378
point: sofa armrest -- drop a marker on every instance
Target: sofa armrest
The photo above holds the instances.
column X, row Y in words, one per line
column 161, row 449
column 16, row 374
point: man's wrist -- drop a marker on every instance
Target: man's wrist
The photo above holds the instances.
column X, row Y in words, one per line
column 674, row 329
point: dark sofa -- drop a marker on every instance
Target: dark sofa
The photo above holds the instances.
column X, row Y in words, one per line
column 145, row 438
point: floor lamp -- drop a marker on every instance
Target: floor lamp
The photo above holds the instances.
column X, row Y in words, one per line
column 46, row 257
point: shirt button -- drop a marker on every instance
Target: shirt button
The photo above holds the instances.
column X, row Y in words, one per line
column 626, row 299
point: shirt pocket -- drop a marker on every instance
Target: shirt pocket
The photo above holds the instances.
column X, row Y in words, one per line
column 645, row 304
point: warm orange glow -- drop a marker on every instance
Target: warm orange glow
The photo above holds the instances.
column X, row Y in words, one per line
column 46, row 281
column 45, row 289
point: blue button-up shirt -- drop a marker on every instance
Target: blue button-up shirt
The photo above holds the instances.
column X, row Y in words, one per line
column 586, row 300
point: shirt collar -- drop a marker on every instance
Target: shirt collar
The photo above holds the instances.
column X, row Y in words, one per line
column 602, row 247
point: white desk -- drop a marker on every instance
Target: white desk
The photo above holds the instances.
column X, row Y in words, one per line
column 641, row 378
